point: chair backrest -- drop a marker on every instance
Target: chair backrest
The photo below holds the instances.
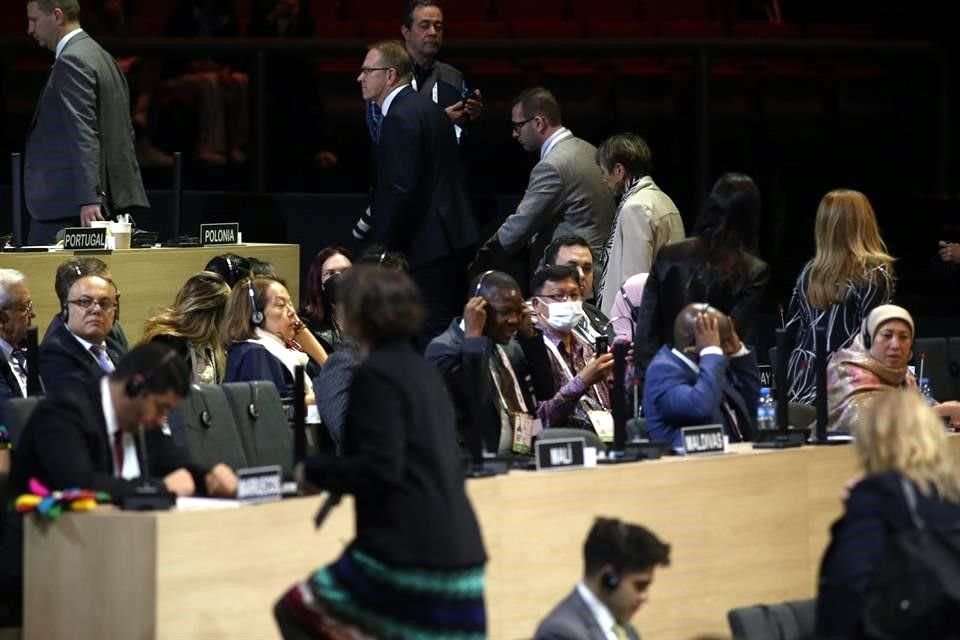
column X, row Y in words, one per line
column 207, row 421
column 590, row 439
column 262, row 423
column 786, row 621
column 14, row 414
column 936, row 366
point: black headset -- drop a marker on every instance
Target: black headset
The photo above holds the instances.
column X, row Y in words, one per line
column 483, row 277
column 610, row 579
column 257, row 316
column 65, row 310
column 137, row 382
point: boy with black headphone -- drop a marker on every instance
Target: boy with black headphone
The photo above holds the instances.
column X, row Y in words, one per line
column 619, row 564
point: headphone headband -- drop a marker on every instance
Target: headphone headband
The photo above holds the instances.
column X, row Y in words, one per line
column 480, row 282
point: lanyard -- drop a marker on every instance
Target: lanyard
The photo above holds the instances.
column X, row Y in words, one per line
column 566, row 368
column 505, row 361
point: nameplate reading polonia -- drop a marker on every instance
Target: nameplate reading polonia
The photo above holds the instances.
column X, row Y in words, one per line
column 704, row 439
column 260, row 484
column 564, row 453
column 81, row 238
column 220, row 233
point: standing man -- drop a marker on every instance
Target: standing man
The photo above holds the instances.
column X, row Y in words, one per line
column 16, row 313
column 565, row 194
column 619, row 563
column 646, row 218
column 80, row 156
column 419, row 204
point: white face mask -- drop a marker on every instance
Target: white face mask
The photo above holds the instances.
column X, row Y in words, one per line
column 564, row 316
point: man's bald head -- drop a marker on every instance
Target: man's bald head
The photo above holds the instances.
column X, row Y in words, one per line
column 684, row 326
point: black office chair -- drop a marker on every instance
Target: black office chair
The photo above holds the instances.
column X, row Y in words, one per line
column 205, row 418
column 15, row 413
column 262, row 424
column 590, row 439
column 793, row 620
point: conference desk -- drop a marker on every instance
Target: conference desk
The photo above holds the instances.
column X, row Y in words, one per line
column 745, row 527
column 148, row 279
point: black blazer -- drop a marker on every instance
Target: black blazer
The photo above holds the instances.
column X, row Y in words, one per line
column 876, row 509
column 680, row 275
column 419, row 203
column 401, row 464
column 65, row 364
column 9, row 385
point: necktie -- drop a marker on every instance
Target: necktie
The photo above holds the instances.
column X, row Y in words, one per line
column 118, row 454
column 374, row 120
column 620, row 632
column 102, row 359
column 20, row 360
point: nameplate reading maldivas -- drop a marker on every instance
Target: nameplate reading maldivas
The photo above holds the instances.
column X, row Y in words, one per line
column 704, row 439
column 559, row 454
column 81, row 238
column 220, row 233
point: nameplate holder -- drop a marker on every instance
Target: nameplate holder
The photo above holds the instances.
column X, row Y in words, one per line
column 767, row 379
column 219, row 233
column 705, row 439
column 566, row 453
column 85, row 238
column 260, row 484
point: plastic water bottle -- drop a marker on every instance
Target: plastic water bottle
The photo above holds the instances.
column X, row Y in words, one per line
column 927, row 391
column 766, row 410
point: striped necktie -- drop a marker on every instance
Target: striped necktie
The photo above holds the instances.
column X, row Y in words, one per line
column 102, row 358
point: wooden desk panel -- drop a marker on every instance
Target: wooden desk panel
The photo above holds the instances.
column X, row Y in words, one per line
column 745, row 527
column 149, row 279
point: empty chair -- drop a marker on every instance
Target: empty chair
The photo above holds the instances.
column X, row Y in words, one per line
column 590, row 439
column 262, row 424
column 786, row 621
column 206, row 420
column 14, row 414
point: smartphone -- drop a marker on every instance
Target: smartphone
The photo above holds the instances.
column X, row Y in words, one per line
column 601, row 346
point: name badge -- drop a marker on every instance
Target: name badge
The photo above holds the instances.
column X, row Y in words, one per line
column 220, row 233
column 705, row 439
column 80, row 238
column 559, row 454
column 525, row 427
column 602, row 421
column 260, row 484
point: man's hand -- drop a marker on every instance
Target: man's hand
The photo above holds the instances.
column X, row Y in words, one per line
column 474, row 317
column 221, row 482
column 457, row 112
column 180, row 482
column 305, row 487
column 731, row 343
column 474, row 105
column 597, row 369
column 89, row 213
column 526, row 326
column 706, row 331
column 949, row 251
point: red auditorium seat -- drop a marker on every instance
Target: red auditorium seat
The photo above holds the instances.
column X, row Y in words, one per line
column 150, row 18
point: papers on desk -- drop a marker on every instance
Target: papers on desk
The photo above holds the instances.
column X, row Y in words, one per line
column 204, row 504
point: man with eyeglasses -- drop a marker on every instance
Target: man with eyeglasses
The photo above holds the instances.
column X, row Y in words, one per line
column 419, row 206
column 565, row 194
column 16, row 313
column 77, row 352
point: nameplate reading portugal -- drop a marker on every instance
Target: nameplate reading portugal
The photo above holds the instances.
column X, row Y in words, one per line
column 705, row 439
column 559, row 454
column 260, row 484
column 220, row 233
column 81, row 238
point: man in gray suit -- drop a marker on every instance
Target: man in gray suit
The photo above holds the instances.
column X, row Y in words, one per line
column 80, row 145
column 619, row 562
column 565, row 194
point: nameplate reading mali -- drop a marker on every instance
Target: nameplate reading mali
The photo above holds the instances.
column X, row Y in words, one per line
column 559, row 454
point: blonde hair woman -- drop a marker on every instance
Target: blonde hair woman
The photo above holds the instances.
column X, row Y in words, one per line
column 192, row 326
column 850, row 274
column 899, row 438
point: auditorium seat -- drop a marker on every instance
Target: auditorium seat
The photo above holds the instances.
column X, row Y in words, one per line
column 14, row 415
column 793, row 620
column 590, row 439
column 205, row 419
column 262, row 424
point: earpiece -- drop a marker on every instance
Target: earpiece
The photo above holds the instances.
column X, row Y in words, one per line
column 610, row 580
column 480, row 282
column 65, row 313
column 257, row 316
column 231, row 269
column 137, row 382
column 867, row 338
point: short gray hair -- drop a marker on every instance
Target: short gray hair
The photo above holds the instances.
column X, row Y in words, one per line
column 8, row 279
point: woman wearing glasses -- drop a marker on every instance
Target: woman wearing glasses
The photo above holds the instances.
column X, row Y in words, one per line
column 265, row 339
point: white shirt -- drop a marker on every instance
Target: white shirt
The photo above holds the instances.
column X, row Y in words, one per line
column 7, row 350
column 560, row 134
column 599, row 611
column 64, row 40
column 131, row 464
column 389, row 99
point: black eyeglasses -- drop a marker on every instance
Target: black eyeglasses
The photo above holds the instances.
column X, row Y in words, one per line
column 519, row 125
column 106, row 304
column 365, row 71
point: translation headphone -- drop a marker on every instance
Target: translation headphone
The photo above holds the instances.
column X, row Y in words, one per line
column 480, row 282
column 257, row 316
column 867, row 338
column 137, row 382
column 65, row 310
column 610, row 579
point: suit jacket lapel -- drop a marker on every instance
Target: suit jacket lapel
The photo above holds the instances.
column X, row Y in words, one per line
column 11, row 378
column 584, row 613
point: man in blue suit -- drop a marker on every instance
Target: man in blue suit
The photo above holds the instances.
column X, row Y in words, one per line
column 708, row 377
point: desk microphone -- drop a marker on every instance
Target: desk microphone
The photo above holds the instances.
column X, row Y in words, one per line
column 147, row 496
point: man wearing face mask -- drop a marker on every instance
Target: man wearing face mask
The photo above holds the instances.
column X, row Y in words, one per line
column 708, row 377
column 495, row 365
column 582, row 397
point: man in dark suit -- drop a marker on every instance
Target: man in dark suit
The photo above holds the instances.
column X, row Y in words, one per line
column 619, row 563
column 419, row 204
column 16, row 312
column 83, row 438
column 76, row 352
column 80, row 145
column 709, row 377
